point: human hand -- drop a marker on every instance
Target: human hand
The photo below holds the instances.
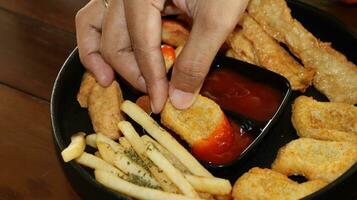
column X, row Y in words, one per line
column 126, row 37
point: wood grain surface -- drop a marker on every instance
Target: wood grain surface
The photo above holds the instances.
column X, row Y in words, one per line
column 35, row 38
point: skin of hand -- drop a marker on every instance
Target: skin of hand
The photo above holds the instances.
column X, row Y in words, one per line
column 126, row 37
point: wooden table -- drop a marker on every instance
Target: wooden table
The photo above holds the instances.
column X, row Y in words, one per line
column 35, row 38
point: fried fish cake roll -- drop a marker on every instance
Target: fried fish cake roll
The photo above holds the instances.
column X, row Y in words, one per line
column 274, row 57
column 315, row 159
column 242, row 48
column 104, row 109
column 260, row 183
column 336, row 77
column 88, row 81
column 324, row 120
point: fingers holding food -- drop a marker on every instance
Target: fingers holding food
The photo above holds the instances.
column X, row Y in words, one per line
column 260, row 183
column 324, row 120
column 89, row 21
column 104, row 109
column 315, row 159
column 336, row 77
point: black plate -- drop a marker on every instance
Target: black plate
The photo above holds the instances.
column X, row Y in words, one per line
column 67, row 117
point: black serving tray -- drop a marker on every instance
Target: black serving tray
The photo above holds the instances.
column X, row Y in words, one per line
column 68, row 117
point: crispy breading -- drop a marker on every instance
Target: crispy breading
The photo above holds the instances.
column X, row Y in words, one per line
column 324, row 120
column 88, row 81
column 336, row 77
column 315, row 159
column 195, row 123
column 262, row 184
column 104, row 109
column 242, row 48
column 274, row 57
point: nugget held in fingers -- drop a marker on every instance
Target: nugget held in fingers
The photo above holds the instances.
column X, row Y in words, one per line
column 324, row 120
column 88, row 81
column 174, row 33
column 267, row 184
column 315, row 159
column 104, row 109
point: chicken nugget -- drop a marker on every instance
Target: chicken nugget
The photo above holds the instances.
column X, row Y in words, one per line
column 88, row 81
column 274, row 57
column 195, row 123
column 104, row 109
column 324, row 120
column 336, row 77
column 315, row 159
column 260, row 183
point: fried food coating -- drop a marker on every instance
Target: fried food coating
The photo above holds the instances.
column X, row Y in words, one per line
column 242, row 48
column 104, row 109
column 336, row 77
column 315, row 159
column 324, row 120
column 88, row 81
column 260, row 183
column 274, row 57
column 195, row 123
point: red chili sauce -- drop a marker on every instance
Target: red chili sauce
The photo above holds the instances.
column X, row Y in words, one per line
column 237, row 93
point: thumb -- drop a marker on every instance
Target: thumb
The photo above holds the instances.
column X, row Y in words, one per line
column 210, row 29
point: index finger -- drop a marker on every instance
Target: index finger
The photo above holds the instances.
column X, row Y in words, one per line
column 144, row 25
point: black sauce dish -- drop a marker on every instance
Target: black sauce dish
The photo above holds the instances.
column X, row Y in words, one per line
column 68, row 117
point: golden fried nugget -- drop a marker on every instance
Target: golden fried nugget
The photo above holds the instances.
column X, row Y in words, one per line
column 88, row 81
column 315, row 159
column 242, row 48
column 260, row 183
column 104, row 109
column 195, row 123
column 274, row 57
column 174, row 33
column 336, row 77
column 324, row 120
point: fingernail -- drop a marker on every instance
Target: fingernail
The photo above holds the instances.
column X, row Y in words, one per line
column 153, row 109
column 181, row 99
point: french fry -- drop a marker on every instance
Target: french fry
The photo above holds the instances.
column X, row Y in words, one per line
column 139, row 147
column 125, row 143
column 114, row 145
column 94, row 162
column 91, row 140
column 106, row 152
column 173, row 160
column 129, row 167
column 164, row 138
column 174, row 174
column 98, row 154
column 75, row 148
column 212, row 185
column 115, row 183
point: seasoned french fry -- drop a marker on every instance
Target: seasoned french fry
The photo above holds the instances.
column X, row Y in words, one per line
column 125, row 143
column 115, row 183
column 173, row 160
column 131, row 168
column 114, row 145
column 139, row 147
column 98, row 154
column 164, row 138
column 94, row 162
column 174, row 174
column 91, row 140
column 106, row 152
column 212, row 185
column 75, row 148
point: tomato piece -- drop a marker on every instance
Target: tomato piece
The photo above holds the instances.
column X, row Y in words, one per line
column 219, row 142
column 169, row 55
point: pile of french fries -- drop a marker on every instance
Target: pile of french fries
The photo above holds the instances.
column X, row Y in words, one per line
column 153, row 166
